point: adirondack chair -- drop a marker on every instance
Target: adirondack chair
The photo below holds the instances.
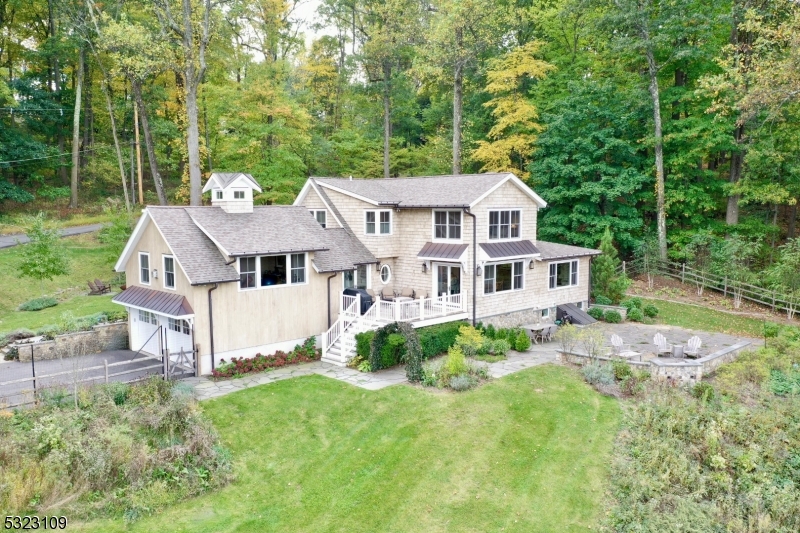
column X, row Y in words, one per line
column 101, row 286
column 662, row 346
column 693, row 347
column 617, row 346
column 93, row 290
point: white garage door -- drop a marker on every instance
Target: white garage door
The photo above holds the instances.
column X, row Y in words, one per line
column 144, row 336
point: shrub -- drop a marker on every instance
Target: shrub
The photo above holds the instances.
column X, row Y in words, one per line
column 364, row 343
column 597, row 374
column 435, row 340
column 455, row 364
column 567, row 337
column 392, row 351
column 633, row 385
column 239, row 366
column 621, row 370
column 501, row 347
column 487, row 347
column 650, row 311
column 596, row 313
column 490, row 331
column 602, row 300
column 37, row 304
column 396, row 343
column 462, row 383
column 635, row 314
column 523, row 342
column 703, row 391
column 431, row 373
column 364, row 366
column 631, row 303
column 612, row 316
column 469, row 340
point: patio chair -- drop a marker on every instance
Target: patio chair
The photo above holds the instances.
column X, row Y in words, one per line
column 662, row 346
column 693, row 347
column 93, row 290
column 385, row 294
column 550, row 332
column 409, row 293
column 101, row 286
column 617, row 345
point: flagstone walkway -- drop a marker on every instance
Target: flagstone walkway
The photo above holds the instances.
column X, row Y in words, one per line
column 206, row 388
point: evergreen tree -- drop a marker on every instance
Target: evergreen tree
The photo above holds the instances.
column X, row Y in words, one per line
column 606, row 281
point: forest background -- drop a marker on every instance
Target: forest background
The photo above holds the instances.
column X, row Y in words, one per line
column 670, row 122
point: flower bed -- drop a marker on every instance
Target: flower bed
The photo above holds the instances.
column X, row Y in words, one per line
column 240, row 366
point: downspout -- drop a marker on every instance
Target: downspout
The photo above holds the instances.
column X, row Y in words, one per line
column 589, row 296
column 211, row 324
column 329, row 297
column 474, row 261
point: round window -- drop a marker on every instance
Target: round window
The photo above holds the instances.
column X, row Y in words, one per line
column 386, row 274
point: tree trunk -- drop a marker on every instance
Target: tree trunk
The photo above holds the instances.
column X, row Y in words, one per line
column 661, row 215
column 76, row 137
column 458, row 96
column 387, row 115
column 138, row 152
column 148, row 142
column 116, row 146
column 737, row 160
column 193, row 141
column 87, row 113
column 792, row 221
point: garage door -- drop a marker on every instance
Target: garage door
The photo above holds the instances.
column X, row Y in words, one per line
column 144, row 327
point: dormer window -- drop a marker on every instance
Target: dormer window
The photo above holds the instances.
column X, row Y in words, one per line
column 238, row 195
column 321, row 216
column 218, row 195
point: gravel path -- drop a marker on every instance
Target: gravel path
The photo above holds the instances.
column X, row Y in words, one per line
column 7, row 241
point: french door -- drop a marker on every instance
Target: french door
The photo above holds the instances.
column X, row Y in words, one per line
column 448, row 279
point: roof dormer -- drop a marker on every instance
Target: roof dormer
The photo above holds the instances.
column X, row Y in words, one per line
column 233, row 192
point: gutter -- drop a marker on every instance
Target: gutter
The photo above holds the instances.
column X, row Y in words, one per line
column 211, row 323
column 474, row 261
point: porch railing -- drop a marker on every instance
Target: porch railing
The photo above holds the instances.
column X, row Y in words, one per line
column 422, row 309
column 351, row 306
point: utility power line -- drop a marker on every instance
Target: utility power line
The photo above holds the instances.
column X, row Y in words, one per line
column 65, row 154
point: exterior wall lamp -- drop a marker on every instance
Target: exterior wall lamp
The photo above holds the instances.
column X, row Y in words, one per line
column 424, row 268
column 155, row 273
column 378, row 266
column 479, row 271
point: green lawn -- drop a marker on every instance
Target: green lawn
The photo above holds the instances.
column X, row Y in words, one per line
column 526, row 453
column 88, row 260
column 703, row 318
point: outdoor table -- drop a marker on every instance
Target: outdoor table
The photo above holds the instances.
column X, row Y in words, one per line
column 536, row 328
column 403, row 299
column 677, row 350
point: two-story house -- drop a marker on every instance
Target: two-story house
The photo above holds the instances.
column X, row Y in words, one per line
column 237, row 279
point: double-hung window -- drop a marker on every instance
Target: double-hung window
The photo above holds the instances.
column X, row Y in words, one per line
column 503, row 277
column 447, row 224
column 238, row 195
column 271, row 270
column 144, row 268
column 169, row 272
column 218, row 194
column 378, row 222
column 504, row 224
column 321, row 215
column 564, row 274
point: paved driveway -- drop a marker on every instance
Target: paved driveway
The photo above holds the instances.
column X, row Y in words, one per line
column 7, row 241
column 70, row 369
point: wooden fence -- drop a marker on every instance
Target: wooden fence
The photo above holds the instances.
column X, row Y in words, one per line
column 738, row 290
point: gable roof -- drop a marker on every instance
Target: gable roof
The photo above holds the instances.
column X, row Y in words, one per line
column 226, row 179
column 345, row 252
column 197, row 255
column 269, row 229
column 161, row 302
column 553, row 250
column 463, row 190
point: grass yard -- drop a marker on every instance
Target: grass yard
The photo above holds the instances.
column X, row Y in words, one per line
column 89, row 259
column 526, row 453
column 703, row 318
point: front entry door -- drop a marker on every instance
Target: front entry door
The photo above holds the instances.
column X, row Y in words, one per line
column 448, row 279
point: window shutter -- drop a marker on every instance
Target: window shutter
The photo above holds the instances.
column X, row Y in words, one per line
column 552, row 275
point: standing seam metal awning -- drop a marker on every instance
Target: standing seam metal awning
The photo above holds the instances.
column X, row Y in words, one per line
column 441, row 250
column 509, row 249
column 163, row 303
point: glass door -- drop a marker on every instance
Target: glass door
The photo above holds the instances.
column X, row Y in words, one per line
column 448, row 279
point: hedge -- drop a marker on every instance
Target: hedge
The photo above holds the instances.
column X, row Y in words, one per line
column 437, row 339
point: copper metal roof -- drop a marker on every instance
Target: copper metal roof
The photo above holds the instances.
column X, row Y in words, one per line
column 509, row 249
column 161, row 302
column 441, row 250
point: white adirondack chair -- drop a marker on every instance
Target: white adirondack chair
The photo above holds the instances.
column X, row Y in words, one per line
column 662, row 345
column 617, row 346
column 693, row 347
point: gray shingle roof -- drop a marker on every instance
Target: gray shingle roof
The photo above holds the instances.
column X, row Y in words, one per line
column 552, row 250
column 336, row 212
column 226, row 178
column 441, row 250
column 161, row 302
column 201, row 260
column 509, row 249
column 425, row 191
column 267, row 230
column 345, row 252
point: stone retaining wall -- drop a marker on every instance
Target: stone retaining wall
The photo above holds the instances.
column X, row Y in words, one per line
column 100, row 338
column 689, row 371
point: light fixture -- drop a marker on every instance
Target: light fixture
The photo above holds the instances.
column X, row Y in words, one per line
column 530, row 265
column 155, row 273
column 378, row 266
column 424, row 268
column 479, row 271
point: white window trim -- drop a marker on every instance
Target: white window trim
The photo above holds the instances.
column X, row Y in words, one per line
column 218, row 194
column 434, row 238
column 389, row 269
column 576, row 274
column 369, row 277
column 288, row 272
column 378, row 222
column 244, row 194
column 314, row 214
column 149, row 268
column 181, row 324
column 488, row 224
column 164, row 272
column 512, row 289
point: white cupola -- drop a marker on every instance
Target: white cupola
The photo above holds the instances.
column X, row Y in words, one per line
column 233, row 191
